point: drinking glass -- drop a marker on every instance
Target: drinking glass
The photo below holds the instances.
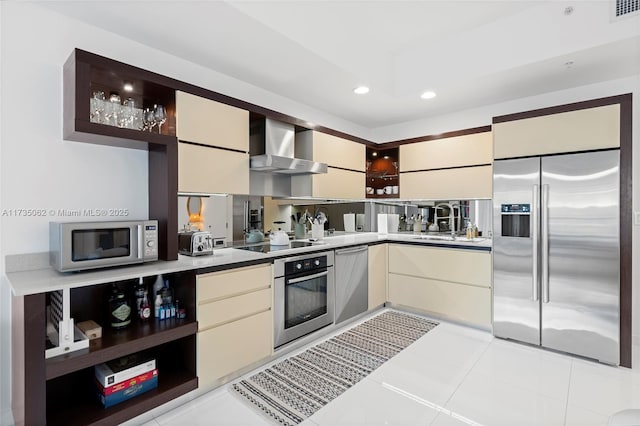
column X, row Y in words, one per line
column 128, row 113
column 148, row 120
column 113, row 109
column 160, row 116
column 97, row 107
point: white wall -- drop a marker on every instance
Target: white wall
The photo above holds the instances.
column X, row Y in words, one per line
column 39, row 170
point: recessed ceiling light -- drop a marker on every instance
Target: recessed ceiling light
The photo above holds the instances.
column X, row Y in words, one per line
column 128, row 87
column 386, row 157
column 428, row 95
column 361, row 90
column 374, row 154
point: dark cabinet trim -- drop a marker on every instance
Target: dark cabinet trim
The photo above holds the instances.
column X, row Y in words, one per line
column 575, row 106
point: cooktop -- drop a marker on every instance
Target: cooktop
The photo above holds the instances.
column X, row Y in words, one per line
column 267, row 248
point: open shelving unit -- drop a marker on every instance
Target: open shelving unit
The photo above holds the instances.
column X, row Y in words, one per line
column 382, row 171
column 62, row 389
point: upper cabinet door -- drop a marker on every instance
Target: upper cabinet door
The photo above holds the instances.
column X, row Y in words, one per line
column 338, row 152
column 211, row 123
column 581, row 130
column 458, row 151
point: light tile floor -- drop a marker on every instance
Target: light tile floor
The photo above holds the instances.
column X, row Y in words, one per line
column 452, row 376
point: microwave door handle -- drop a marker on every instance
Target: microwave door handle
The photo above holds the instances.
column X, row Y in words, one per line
column 307, row 278
column 140, row 242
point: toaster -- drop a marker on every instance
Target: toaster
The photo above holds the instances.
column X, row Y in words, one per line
column 195, row 243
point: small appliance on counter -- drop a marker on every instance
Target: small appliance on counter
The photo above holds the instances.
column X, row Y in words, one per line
column 195, row 243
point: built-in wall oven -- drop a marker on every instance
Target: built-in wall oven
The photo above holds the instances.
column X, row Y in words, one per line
column 304, row 295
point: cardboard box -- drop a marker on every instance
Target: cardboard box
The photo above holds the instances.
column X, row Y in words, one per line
column 128, row 393
column 126, row 383
column 121, row 369
column 91, row 329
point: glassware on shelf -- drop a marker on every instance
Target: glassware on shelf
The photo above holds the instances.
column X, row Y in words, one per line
column 148, row 120
column 128, row 113
column 112, row 110
column 160, row 116
column 97, row 106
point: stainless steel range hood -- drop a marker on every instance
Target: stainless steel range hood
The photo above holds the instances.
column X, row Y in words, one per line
column 273, row 148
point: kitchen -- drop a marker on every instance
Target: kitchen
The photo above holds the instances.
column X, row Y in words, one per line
column 128, row 168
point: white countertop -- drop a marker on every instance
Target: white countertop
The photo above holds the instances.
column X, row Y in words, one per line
column 47, row 279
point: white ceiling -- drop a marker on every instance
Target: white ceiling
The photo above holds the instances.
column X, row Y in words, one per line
column 472, row 53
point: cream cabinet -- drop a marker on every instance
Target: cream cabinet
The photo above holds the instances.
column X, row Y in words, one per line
column 580, row 130
column 456, row 183
column 378, row 274
column 334, row 151
column 449, row 168
column 335, row 184
column 459, row 151
column 212, row 170
column 345, row 178
column 211, row 123
column 235, row 322
column 448, row 283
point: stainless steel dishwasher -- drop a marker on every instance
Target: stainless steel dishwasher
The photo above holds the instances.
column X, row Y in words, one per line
column 352, row 282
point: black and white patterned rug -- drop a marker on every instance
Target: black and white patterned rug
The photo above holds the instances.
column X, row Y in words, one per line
column 297, row 387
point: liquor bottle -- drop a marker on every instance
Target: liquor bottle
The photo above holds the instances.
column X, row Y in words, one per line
column 119, row 308
column 140, row 292
column 145, row 307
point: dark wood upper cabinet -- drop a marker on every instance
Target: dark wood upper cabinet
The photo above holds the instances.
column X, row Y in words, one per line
column 382, row 172
column 86, row 73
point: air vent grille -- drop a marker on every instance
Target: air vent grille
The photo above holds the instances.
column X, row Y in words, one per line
column 625, row 7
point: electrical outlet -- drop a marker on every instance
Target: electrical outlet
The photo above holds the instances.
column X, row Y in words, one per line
column 636, row 218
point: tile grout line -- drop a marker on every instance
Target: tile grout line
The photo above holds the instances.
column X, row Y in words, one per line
column 566, row 405
column 463, row 379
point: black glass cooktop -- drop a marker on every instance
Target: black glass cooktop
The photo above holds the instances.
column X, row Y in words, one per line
column 267, row 248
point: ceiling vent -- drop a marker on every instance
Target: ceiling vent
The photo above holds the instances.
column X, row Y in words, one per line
column 624, row 8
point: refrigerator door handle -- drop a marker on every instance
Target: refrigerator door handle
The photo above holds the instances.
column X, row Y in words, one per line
column 535, row 233
column 545, row 243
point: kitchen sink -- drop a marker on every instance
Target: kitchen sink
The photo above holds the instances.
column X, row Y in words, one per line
column 448, row 238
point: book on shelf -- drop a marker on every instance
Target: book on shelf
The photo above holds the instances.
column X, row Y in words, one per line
column 128, row 393
column 124, row 368
column 125, row 384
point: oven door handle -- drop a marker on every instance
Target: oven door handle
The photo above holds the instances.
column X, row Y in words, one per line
column 307, row 277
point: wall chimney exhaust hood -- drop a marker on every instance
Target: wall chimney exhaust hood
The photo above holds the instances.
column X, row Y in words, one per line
column 273, row 147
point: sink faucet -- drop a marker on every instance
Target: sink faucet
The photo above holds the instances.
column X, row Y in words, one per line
column 452, row 216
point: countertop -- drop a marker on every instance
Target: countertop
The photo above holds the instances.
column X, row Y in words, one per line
column 47, row 279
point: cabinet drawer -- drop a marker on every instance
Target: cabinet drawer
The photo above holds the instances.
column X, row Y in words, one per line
column 212, row 170
column 233, row 282
column 231, row 347
column 450, row 184
column 233, row 308
column 467, row 150
column 458, row 266
column 455, row 301
column 211, row 123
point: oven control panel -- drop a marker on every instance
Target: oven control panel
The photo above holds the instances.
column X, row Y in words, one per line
column 304, row 265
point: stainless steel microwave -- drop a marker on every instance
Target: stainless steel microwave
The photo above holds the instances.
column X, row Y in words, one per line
column 76, row 246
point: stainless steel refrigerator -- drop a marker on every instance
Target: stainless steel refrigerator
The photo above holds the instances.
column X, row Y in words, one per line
column 556, row 252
